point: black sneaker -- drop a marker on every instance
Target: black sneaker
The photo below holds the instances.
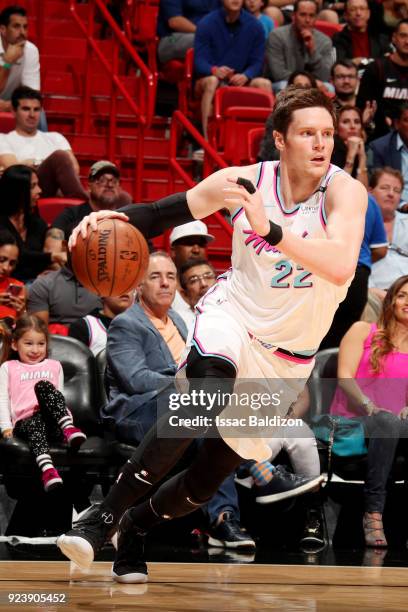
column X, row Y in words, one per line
column 229, row 533
column 313, row 539
column 89, row 533
column 284, row 484
column 129, row 566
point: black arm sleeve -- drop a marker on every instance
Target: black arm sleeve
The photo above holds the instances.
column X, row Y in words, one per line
column 153, row 219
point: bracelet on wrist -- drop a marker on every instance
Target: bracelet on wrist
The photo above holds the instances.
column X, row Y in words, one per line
column 6, row 65
column 361, row 170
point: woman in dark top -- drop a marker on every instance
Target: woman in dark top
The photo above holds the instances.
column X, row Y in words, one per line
column 19, row 192
column 349, row 148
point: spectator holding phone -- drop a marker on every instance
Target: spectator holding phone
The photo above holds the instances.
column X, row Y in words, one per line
column 12, row 291
column 19, row 192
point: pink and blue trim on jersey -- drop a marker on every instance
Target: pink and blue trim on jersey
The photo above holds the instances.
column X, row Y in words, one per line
column 322, row 211
column 277, row 193
column 303, row 357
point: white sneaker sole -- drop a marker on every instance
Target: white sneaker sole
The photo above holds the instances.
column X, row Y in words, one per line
column 241, row 544
column 77, row 549
column 135, row 578
column 270, row 499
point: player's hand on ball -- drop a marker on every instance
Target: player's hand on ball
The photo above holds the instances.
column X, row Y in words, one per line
column 90, row 221
column 252, row 203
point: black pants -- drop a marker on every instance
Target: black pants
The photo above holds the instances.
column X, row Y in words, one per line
column 42, row 427
column 349, row 310
column 156, row 456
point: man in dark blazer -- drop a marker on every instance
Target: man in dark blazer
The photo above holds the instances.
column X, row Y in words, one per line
column 392, row 149
column 357, row 41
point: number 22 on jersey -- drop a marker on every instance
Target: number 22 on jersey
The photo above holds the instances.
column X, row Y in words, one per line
column 285, row 269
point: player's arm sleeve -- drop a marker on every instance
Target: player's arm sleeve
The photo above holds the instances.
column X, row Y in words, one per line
column 79, row 329
column 31, row 72
column 5, row 419
column 153, row 219
column 128, row 363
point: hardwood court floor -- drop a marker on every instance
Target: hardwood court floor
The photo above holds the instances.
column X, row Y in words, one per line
column 206, row 587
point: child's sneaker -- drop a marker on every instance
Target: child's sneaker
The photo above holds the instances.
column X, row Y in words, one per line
column 51, row 479
column 74, row 437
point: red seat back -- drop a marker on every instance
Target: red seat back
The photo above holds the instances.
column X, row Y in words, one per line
column 50, row 208
column 7, row 122
column 330, row 29
column 254, row 141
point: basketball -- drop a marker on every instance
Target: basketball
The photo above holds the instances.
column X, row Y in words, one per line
column 111, row 260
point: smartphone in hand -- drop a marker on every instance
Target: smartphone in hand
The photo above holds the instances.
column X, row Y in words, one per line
column 14, row 290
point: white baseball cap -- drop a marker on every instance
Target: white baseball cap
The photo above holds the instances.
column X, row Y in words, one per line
column 194, row 228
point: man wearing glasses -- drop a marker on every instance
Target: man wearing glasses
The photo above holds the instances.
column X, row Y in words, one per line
column 196, row 277
column 105, row 192
column 188, row 242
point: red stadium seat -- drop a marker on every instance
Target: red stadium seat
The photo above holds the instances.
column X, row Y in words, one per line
column 7, row 122
column 237, row 110
column 330, row 29
column 254, row 141
column 50, row 208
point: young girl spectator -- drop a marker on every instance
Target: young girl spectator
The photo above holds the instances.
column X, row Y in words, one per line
column 32, row 406
column 255, row 7
column 12, row 291
column 373, row 387
column 19, row 192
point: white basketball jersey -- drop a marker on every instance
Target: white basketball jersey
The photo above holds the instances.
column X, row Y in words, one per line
column 278, row 301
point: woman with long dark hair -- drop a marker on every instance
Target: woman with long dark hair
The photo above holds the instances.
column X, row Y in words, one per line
column 349, row 144
column 19, row 192
column 373, row 387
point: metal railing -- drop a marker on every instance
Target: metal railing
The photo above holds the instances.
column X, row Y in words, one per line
column 143, row 109
column 180, row 123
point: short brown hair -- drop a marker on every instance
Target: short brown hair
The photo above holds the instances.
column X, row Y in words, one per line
column 378, row 172
column 293, row 98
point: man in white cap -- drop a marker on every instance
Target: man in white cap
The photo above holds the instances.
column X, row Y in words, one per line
column 187, row 241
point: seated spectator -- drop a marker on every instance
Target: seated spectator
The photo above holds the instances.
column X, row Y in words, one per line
column 196, row 277
column 298, row 46
column 19, row 192
column 349, row 147
column 392, row 149
column 344, row 77
column 370, row 355
column 92, row 330
column 302, row 78
column 177, row 24
column 19, row 58
column 12, row 291
column 48, row 152
column 105, row 193
column 374, row 247
column 255, row 7
column 386, row 186
column 59, row 299
column 144, row 345
column 385, row 81
column 357, row 41
column 228, row 50
column 187, row 241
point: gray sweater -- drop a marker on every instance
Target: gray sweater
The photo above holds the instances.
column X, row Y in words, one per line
column 285, row 53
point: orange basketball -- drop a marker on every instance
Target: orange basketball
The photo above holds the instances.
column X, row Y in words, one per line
column 112, row 260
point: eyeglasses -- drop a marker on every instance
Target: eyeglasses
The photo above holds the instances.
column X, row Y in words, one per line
column 389, row 189
column 107, row 180
column 194, row 280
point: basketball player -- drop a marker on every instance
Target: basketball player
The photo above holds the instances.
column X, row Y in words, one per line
column 295, row 247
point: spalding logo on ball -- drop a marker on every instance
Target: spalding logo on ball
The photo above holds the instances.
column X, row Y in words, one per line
column 111, row 260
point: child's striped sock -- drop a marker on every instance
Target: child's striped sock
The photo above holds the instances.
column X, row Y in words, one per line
column 262, row 472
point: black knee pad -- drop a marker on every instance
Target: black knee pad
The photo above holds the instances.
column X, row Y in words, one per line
column 174, row 498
